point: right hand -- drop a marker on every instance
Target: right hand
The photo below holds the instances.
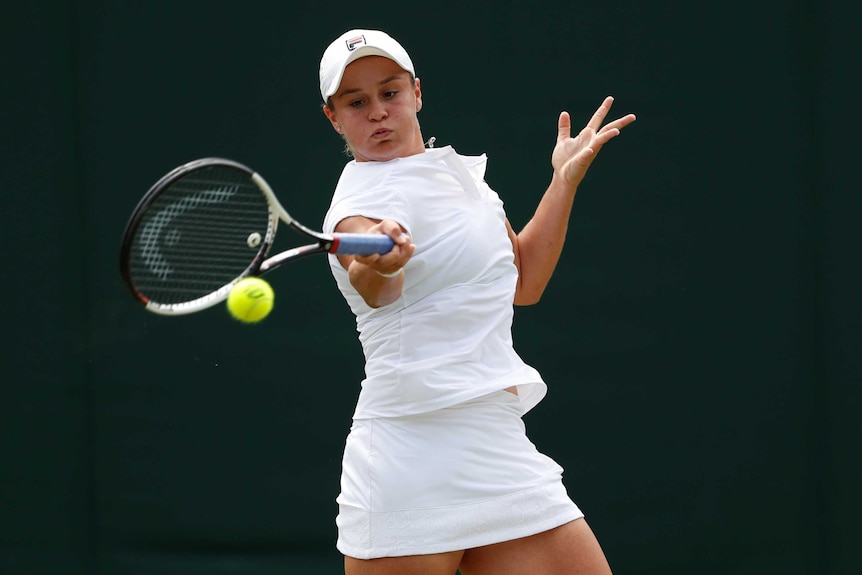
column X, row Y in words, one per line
column 397, row 257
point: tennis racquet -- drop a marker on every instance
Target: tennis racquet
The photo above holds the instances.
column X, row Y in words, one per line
column 207, row 224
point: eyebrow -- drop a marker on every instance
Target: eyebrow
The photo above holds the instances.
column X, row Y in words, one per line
column 381, row 83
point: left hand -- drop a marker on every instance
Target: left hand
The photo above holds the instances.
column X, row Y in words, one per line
column 572, row 156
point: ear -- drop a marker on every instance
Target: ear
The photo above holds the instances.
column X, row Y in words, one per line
column 418, row 93
column 330, row 115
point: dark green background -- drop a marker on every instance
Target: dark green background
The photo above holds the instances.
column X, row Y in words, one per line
column 701, row 336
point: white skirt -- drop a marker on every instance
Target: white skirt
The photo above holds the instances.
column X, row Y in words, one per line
column 448, row 480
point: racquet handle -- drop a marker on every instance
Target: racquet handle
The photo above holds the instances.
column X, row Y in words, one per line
column 361, row 244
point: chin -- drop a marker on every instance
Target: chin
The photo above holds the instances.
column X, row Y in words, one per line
column 385, row 153
column 378, row 155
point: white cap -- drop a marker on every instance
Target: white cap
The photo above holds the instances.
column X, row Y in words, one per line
column 353, row 45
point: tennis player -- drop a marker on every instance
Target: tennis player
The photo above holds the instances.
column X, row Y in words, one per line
column 438, row 473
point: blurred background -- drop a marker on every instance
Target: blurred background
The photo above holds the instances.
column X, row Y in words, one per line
column 701, row 336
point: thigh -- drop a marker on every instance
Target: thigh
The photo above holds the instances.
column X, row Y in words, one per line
column 435, row 564
column 570, row 549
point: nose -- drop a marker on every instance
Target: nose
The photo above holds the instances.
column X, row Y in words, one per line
column 377, row 110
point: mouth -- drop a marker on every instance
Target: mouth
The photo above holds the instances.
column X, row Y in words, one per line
column 381, row 133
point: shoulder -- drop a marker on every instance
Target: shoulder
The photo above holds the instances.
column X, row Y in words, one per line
column 367, row 191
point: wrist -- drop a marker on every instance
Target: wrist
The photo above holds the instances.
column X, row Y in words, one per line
column 559, row 178
column 391, row 275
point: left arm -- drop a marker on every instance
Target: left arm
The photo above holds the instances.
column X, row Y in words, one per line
column 538, row 246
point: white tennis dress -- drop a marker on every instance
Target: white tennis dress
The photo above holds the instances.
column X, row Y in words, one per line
column 437, row 458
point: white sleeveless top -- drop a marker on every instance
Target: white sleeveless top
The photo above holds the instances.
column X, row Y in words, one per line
column 448, row 338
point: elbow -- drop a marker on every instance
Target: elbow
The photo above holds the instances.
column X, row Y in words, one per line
column 378, row 302
column 522, row 302
column 372, row 303
column 528, row 297
column 384, row 295
column 531, row 285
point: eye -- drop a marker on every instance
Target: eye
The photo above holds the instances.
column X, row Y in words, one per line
column 355, row 103
column 389, row 94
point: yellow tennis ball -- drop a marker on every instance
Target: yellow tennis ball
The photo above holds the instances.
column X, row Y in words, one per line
column 250, row 300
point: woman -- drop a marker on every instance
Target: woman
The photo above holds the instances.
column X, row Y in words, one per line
column 438, row 474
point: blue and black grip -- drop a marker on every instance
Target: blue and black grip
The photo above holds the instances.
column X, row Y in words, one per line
column 361, row 244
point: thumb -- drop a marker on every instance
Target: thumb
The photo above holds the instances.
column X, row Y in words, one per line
column 564, row 126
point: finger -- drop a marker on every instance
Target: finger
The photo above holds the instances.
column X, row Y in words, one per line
column 397, row 258
column 393, row 230
column 584, row 155
column 407, row 253
column 367, row 260
column 596, row 121
column 606, row 135
column 620, row 123
column 564, row 126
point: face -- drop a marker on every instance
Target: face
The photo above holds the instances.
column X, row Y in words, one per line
column 375, row 110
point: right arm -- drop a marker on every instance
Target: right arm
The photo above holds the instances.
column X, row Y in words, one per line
column 365, row 271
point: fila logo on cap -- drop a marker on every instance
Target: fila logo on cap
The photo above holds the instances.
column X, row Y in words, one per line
column 352, row 43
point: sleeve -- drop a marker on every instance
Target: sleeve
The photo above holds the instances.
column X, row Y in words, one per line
column 379, row 203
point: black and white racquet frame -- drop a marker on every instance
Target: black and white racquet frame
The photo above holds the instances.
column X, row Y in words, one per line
column 207, row 224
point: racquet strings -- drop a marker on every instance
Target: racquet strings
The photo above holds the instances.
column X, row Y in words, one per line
column 199, row 234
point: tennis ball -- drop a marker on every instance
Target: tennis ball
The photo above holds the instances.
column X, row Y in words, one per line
column 250, row 300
